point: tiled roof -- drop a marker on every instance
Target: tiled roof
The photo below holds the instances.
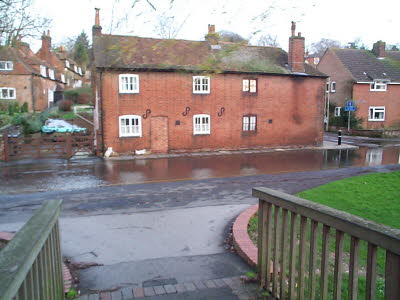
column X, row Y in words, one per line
column 130, row 52
column 365, row 66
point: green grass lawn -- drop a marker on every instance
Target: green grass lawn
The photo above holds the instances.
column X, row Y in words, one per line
column 374, row 196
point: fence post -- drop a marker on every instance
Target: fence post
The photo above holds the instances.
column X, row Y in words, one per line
column 68, row 145
column 5, row 145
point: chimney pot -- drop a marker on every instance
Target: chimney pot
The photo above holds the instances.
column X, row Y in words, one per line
column 48, row 32
column 211, row 28
column 293, row 28
column 96, row 29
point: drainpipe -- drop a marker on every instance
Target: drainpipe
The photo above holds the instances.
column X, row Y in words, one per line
column 102, row 114
column 327, row 107
column 33, row 95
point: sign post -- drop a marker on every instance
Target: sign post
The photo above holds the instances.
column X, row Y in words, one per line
column 349, row 107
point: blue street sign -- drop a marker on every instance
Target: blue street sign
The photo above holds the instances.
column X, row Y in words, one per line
column 350, row 108
column 349, row 103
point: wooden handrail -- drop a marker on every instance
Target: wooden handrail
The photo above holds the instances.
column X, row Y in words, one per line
column 33, row 258
column 293, row 281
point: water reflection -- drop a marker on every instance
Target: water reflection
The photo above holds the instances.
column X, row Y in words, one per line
column 59, row 175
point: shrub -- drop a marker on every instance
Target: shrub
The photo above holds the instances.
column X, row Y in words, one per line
column 75, row 94
column 24, row 107
column 65, row 105
column 84, row 99
column 32, row 125
column 4, row 120
column 17, row 119
column 13, row 107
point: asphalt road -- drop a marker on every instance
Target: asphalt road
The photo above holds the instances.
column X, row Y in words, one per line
column 167, row 230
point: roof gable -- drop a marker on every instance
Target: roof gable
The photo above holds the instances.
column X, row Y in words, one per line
column 366, row 67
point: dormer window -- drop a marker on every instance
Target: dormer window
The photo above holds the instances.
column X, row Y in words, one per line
column 51, row 74
column 43, row 71
column 75, row 69
column 80, row 71
column 379, row 86
column 62, row 78
column 67, row 64
column 6, row 65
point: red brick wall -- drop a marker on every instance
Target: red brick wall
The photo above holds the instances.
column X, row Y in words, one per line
column 22, row 84
column 159, row 134
column 294, row 104
column 296, row 53
column 331, row 65
column 390, row 99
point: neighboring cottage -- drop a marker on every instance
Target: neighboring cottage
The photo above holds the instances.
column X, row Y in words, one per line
column 370, row 78
column 312, row 59
column 59, row 60
column 168, row 95
column 26, row 78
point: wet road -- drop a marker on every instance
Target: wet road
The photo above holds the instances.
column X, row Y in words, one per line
column 60, row 175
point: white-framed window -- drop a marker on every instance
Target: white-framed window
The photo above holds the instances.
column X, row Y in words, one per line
column 67, row 64
column 250, row 85
column 376, row 113
column 43, row 71
column 316, row 60
column 201, row 85
column 6, row 65
column 338, row 111
column 75, row 69
column 130, row 126
column 201, row 124
column 378, row 86
column 62, row 78
column 128, row 83
column 51, row 74
column 7, row 93
column 80, row 71
column 249, row 123
column 333, row 87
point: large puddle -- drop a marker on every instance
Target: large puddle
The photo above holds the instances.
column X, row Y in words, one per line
column 51, row 175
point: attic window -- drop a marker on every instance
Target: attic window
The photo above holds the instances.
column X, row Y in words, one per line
column 250, row 85
column 6, row 65
column 67, row 64
column 333, row 87
column 62, row 78
column 128, row 83
column 80, row 71
column 51, row 74
column 201, row 85
column 379, row 86
column 43, row 71
column 75, row 69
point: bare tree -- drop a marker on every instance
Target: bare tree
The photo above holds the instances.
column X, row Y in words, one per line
column 18, row 21
column 320, row 46
column 167, row 26
column 268, row 40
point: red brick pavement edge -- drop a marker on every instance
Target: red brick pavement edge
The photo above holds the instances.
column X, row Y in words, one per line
column 7, row 236
column 241, row 240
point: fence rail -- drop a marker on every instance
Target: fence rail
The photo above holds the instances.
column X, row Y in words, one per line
column 31, row 263
column 295, row 260
column 64, row 146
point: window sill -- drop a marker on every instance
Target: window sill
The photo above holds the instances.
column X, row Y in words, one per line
column 377, row 90
column 376, row 120
column 208, row 133
column 201, row 93
column 130, row 136
column 129, row 92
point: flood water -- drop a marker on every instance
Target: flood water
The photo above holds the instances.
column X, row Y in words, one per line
column 51, row 175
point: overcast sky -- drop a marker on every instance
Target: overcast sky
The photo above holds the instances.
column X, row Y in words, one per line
column 343, row 20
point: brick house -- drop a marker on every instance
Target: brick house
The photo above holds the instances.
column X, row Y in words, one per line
column 26, row 78
column 59, row 60
column 167, row 95
column 370, row 78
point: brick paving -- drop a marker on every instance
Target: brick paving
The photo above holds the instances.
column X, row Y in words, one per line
column 130, row 293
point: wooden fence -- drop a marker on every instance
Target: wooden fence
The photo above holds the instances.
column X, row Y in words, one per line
column 299, row 264
column 31, row 263
column 62, row 146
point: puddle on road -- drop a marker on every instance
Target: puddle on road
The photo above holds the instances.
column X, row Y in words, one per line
column 61, row 175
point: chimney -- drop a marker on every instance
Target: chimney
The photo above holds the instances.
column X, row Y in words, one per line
column 296, row 51
column 379, row 49
column 46, row 42
column 96, row 29
column 212, row 37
